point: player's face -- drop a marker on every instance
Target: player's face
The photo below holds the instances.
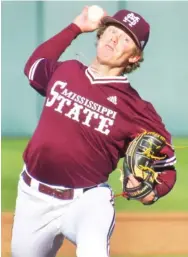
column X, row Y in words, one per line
column 116, row 48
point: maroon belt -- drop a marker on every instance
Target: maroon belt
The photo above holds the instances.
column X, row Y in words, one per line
column 63, row 194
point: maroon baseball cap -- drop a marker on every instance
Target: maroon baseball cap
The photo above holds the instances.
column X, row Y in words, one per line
column 133, row 23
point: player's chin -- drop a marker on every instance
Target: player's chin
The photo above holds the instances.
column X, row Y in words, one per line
column 105, row 59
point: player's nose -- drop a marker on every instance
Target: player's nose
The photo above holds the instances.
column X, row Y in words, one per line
column 114, row 39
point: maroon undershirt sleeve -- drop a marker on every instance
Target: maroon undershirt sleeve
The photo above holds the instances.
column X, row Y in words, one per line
column 168, row 180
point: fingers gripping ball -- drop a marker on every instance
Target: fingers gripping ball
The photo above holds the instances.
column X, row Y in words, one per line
column 140, row 155
column 95, row 13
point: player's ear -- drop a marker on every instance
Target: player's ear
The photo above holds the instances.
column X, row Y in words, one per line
column 134, row 58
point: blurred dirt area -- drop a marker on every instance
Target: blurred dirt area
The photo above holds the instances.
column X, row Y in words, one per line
column 134, row 234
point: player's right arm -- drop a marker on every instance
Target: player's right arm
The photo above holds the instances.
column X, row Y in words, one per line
column 44, row 60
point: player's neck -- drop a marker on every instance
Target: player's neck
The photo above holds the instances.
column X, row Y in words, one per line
column 102, row 70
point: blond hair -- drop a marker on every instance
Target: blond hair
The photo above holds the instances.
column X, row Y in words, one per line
column 130, row 67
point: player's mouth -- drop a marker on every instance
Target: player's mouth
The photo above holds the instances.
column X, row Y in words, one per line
column 109, row 47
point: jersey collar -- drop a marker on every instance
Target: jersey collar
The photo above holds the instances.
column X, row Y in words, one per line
column 104, row 80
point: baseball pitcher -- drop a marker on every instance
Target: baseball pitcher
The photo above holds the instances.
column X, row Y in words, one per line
column 91, row 118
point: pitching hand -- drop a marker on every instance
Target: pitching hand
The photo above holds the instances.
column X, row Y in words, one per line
column 84, row 23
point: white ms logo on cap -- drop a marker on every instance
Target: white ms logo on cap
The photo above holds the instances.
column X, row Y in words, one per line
column 131, row 19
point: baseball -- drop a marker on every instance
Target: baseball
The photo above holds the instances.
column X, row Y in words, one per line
column 95, row 13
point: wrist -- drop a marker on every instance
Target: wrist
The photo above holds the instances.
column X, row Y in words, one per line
column 75, row 28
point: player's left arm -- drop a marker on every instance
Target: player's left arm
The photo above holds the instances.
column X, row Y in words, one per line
column 165, row 168
column 166, row 172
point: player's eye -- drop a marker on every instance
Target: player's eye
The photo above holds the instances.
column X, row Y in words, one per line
column 126, row 39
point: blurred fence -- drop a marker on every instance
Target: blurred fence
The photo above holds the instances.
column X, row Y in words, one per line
column 161, row 80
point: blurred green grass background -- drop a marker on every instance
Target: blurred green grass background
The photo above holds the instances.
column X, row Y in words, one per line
column 177, row 200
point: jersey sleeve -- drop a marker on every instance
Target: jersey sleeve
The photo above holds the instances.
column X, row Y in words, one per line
column 44, row 60
column 151, row 121
column 40, row 73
